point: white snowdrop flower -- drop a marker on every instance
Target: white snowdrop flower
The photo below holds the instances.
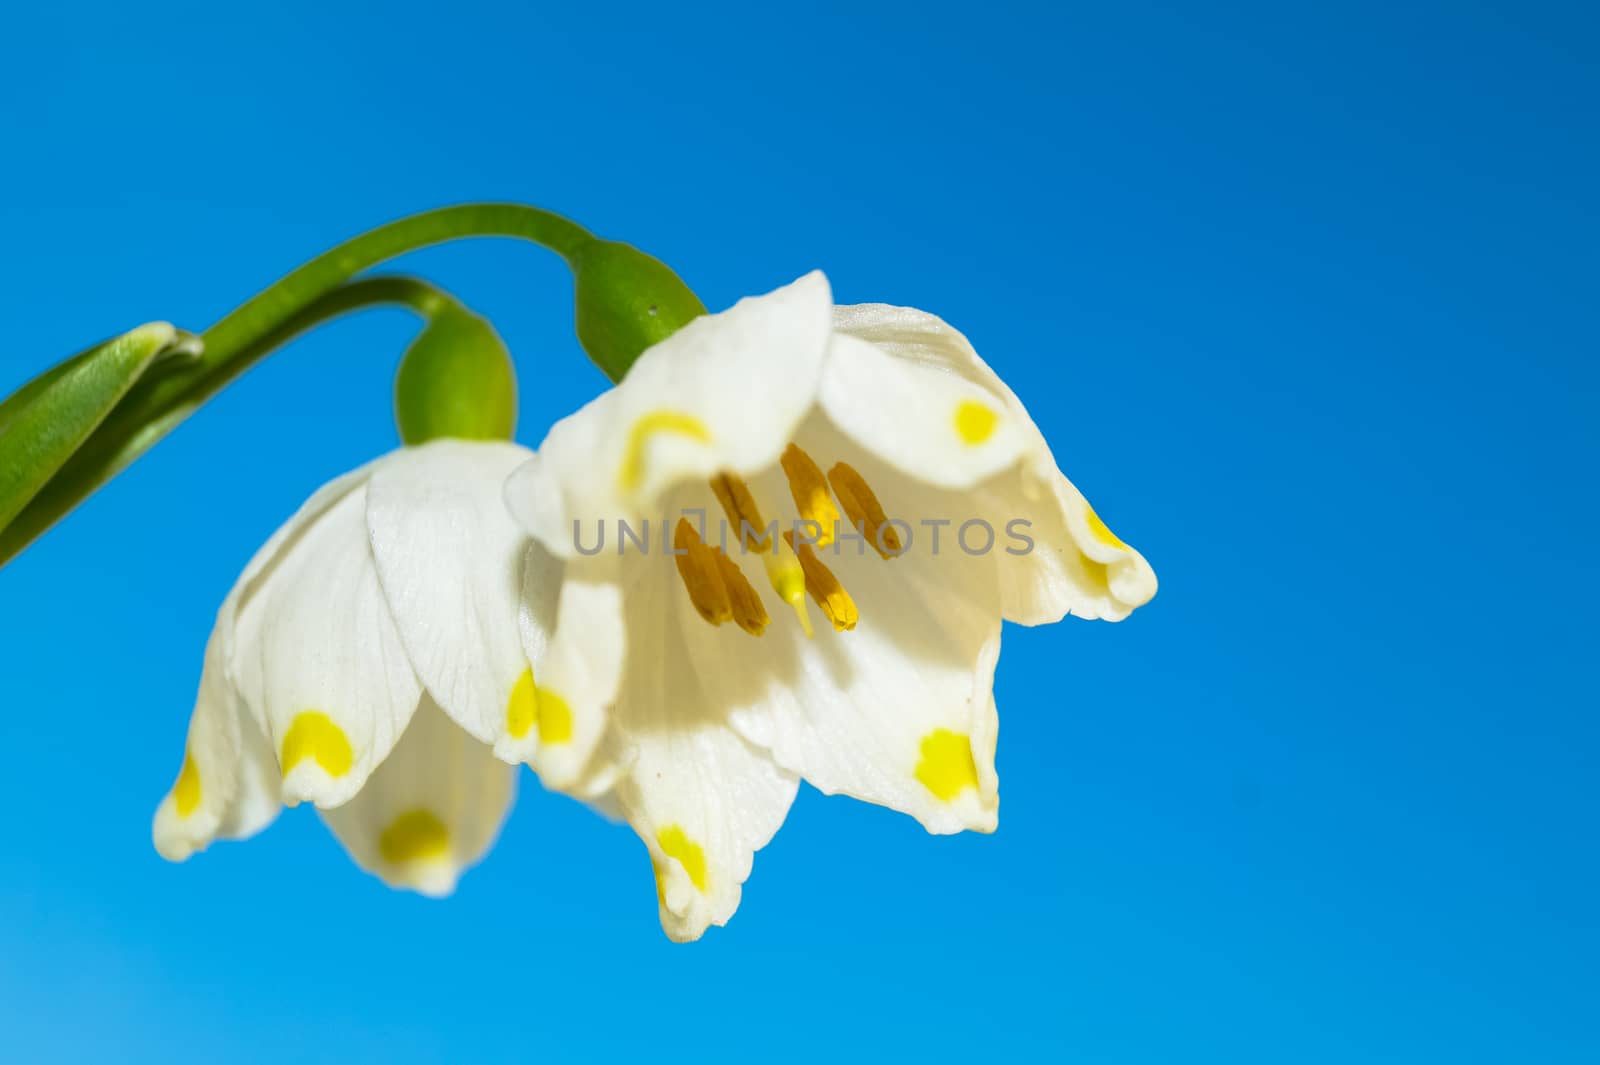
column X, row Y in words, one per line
column 368, row 661
column 887, row 439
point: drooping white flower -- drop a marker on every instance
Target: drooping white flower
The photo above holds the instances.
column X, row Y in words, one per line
column 875, row 423
column 368, row 660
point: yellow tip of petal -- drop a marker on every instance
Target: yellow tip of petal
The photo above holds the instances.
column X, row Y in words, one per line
column 414, row 836
column 313, row 734
column 975, row 423
column 555, row 718
column 946, row 767
column 1100, row 531
column 532, row 706
column 675, row 843
column 523, row 709
column 186, row 792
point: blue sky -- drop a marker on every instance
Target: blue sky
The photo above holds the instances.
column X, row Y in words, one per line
column 1304, row 300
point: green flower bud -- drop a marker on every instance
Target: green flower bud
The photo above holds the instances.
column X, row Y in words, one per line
column 456, row 380
column 627, row 301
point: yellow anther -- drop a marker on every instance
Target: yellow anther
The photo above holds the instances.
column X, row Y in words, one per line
column 946, row 767
column 783, row 569
column 743, row 514
column 631, row 472
column 862, row 505
column 825, row 588
column 702, row 577
column 675, row 843
column 312, row 734
column 186, row 792
column 975, row 423
column 748, row 612
column 810, row 491
column 414, row 836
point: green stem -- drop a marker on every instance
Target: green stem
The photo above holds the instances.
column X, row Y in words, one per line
column 332, row 268
column 153, row 408
column 309, row 295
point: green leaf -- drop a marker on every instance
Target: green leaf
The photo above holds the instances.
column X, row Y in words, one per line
column 52, row 415
column 14, row 404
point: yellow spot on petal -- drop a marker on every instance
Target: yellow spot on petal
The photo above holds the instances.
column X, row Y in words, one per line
column 1096, row 572
column 532, row 706
column 661, row 421
column 974, row 422
column 186, row 792
column 523, row 710
column 414, row 836
column 313, row 734
column 661, row 889
column 675, row 844
column 947, row 768
column 555, row 718
column 1099, row 530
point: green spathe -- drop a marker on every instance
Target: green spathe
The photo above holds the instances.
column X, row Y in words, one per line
column 627, row 301
column 456, row 380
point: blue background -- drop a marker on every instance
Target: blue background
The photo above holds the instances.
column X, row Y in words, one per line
column 1304, row 299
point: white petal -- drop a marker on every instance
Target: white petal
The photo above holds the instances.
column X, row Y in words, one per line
column 266, row 559
column 449, row 557
column 227, row 785
column 431, row 810
column 896, row 711
column 701, row 798
column 723, row 393
column 929, row 424
column 572, row 635
column 1076, row 565
column 316, row 654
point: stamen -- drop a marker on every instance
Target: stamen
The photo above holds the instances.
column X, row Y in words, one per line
column 864, row 510
column 810, row 491
column 702, row 577
column 825, row 588
column 747, row 608
column 743, row 514
column 783, row 569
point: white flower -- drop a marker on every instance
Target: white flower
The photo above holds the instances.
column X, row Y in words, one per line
column 787, row 407
column 368, row 660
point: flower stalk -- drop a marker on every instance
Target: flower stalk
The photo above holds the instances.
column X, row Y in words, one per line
column 626, row 301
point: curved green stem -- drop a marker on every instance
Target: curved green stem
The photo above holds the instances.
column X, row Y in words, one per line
column 313, row 293
column 332, row 268
column 154, row 407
